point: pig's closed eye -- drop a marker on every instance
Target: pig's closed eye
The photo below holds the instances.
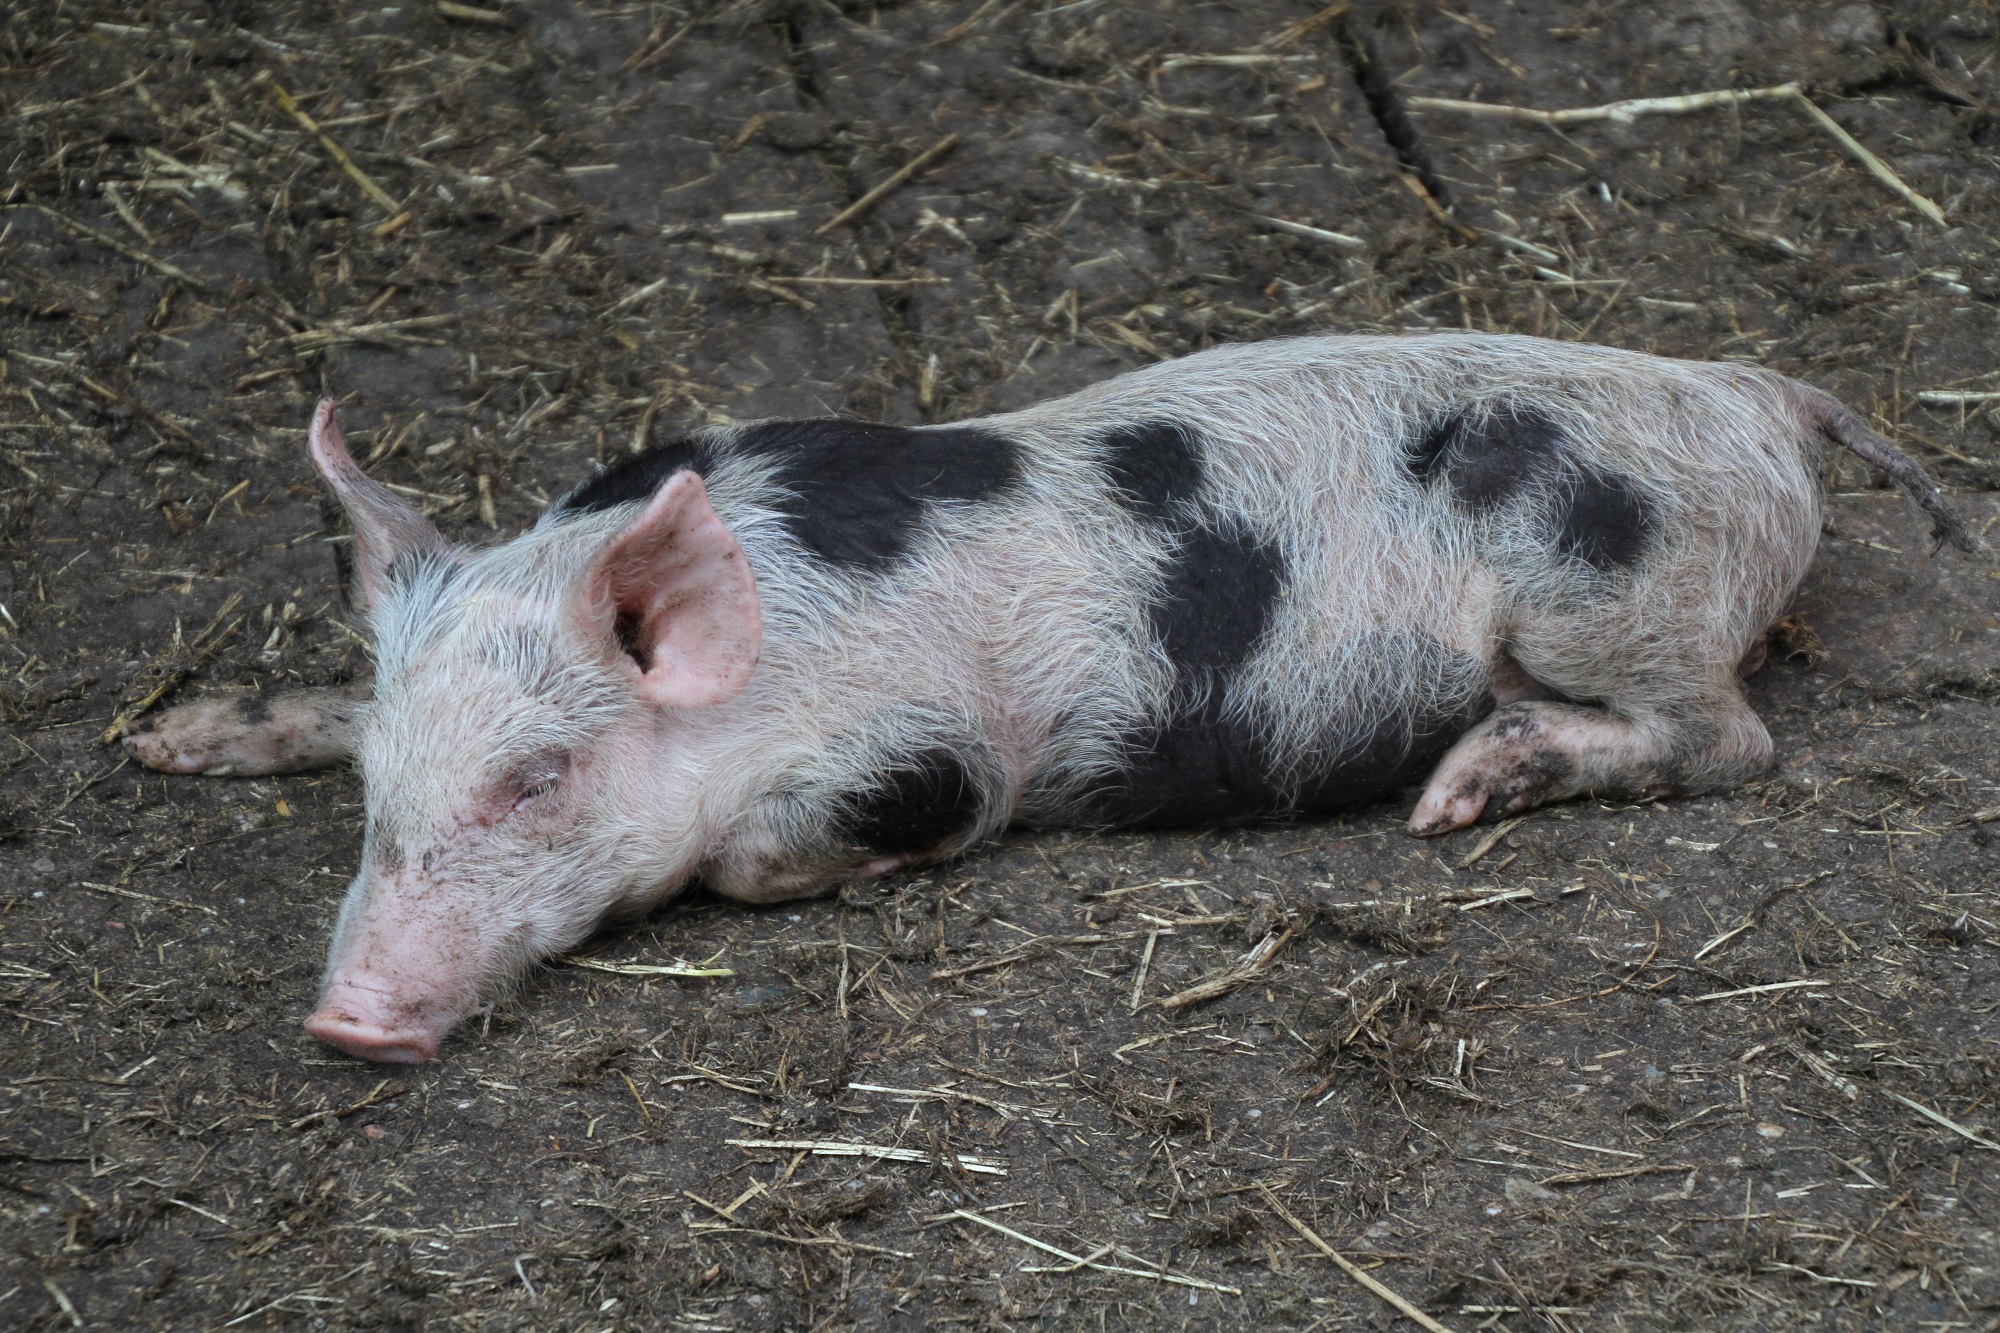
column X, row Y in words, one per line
column 538, row 782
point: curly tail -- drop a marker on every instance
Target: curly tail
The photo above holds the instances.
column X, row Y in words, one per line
column 1846, row 430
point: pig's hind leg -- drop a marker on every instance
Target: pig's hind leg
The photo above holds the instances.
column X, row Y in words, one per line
column 250, row 735
column 1532, row 752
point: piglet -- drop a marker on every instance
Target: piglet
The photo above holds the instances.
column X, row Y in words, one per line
column 1266, row 580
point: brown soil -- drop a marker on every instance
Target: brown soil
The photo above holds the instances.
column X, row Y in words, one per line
column 1516, row 1089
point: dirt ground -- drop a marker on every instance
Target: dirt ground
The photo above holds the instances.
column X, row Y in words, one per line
column 1725, row 1062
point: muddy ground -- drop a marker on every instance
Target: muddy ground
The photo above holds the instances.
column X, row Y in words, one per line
column 1517, row 1089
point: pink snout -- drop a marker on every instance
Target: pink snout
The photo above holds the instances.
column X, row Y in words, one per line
column 369, row 1022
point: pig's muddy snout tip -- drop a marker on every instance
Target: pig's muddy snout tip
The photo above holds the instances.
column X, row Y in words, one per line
column 369, row 1040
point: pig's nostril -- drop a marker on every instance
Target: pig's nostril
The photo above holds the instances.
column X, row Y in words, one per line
column 370, row 1041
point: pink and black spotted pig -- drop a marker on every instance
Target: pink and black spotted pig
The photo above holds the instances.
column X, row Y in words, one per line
column 1265, row 580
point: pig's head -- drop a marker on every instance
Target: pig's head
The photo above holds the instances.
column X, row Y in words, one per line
column 520, row 758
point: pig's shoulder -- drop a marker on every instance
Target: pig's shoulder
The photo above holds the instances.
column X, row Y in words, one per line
column 852, row 493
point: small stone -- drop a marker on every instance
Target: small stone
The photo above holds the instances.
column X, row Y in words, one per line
column 1525, row 1193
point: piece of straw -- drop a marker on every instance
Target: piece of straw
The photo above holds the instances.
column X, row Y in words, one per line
column 876, row 195
column 1348, row 1266
column 335, row 151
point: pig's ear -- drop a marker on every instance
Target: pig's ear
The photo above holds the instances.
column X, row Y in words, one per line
column 672, row 596
column 386, row 526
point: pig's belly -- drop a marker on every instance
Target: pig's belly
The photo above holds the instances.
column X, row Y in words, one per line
column 1203, row 767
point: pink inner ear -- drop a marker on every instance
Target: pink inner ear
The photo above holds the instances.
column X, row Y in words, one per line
column 673, row 595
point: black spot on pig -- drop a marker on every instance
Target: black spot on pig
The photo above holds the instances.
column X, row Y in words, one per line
column 1154, row 467
column 1489, row 457
column 254, row 708
column 1220, row 590
column 919, row 802
column 1201, row 767
column 852, row 493
column 1545, row 768
column 1604, row 522
column 1203, row 764
column 1210, row 764
column 1493, row 457
column 1401, row 752
column 856, row 492
column 637, row 477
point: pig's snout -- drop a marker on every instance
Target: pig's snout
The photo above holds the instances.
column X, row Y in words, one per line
column 362, row 1016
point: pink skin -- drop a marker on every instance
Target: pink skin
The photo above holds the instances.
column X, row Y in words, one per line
column 1512, row 684
column 442, row 910
column 368, row 1017
column 404, row 966
column 677, row 575
column 405, row 974
column 1524, row 753
column 418, row 942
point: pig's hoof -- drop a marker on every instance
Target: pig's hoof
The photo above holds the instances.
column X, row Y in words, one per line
column 1443, row 812
column 1443, row 809
column 1490, row 776
column 175, row 744
column 366, row 1040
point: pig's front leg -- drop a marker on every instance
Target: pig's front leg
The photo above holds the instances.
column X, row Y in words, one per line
column 250, row 735
column 1530, row 753
column 777, row 878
